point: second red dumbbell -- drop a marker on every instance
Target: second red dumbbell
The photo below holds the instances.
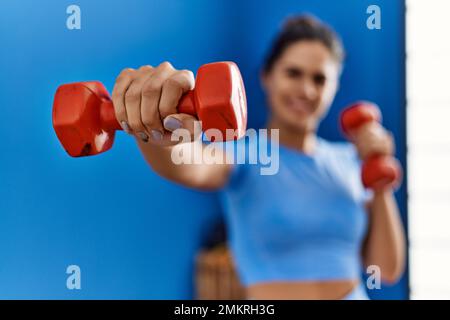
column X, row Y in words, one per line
column 378, row 171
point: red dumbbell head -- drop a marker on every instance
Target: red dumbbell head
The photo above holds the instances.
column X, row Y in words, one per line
column 77, row 118
column 357, row 114
column 379, row 172
column 220, row 99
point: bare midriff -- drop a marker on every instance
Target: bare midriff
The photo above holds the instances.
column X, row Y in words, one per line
column 313, row 290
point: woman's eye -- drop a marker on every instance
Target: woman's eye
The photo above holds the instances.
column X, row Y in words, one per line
column 319, row 79
column 293, row 73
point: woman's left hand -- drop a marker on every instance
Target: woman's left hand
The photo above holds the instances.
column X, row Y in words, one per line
column 372, row 138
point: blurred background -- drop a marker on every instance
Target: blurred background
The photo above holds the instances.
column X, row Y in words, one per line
column 135, row 235
column 428, row 111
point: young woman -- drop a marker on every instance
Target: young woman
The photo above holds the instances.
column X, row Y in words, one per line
column 308, row 231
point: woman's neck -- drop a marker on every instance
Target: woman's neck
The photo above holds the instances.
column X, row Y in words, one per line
column 294, row 138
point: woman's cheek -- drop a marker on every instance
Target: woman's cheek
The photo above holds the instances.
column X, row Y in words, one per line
column 329, row 92
column 279, row 100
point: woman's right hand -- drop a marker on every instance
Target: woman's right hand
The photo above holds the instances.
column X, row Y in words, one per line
column 145, row 102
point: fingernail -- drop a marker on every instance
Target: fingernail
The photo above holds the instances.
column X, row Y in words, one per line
column 125, row 126
column 172, row 124
column 156, row 135
column 143, row 136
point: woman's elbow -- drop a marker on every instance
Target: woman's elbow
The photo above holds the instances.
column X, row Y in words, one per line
column 393, row 271
column 389, row 269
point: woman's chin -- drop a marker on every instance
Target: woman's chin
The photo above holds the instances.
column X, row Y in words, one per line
column 294, row 119
column 300, row 124
column 300, row 120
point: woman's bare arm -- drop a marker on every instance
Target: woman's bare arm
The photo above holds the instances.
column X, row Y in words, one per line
column 201, row 176
column 145, row 103
column 385, row 244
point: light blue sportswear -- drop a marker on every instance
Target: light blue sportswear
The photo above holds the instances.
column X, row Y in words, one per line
column 306, row 222
column 358, row 293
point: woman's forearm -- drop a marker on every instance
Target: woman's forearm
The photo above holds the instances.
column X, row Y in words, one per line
column 197, row 175
column 385, row 244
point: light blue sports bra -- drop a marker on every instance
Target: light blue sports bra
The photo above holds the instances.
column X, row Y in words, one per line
column 306, row 222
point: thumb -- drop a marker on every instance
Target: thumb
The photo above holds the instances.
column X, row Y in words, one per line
column 184, row 121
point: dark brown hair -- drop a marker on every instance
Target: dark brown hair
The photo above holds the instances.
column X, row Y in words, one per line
column 307, row 28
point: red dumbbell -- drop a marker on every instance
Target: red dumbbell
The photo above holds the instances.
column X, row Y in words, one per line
column 85, row 122
column 378, row 171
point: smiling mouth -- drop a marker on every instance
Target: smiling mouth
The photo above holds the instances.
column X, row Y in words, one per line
column 300, row 106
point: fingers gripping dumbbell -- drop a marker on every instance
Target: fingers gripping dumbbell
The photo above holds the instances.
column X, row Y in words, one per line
column 85, row 123
column 378, row 171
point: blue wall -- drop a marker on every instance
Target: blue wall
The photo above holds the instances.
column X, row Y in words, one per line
column 133, row 234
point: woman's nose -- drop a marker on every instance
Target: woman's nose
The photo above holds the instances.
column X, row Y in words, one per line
column 308, row 90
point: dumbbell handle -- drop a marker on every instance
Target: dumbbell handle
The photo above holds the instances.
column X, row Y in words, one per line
column 108, row 117
column 378, row 171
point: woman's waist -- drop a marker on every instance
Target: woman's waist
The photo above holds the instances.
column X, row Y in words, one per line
column 299, row 260
column 299, row 290
column 259, row 266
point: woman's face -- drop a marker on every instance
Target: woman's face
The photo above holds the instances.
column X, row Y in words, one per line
column 302, row 84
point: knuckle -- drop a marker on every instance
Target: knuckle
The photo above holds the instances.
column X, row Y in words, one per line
column 146, row 68
column 125, row 74
column 165, row 65
column 151, row 87
column 188, row 74
column 173, row 82
column 128, row 70
column 183, row 78
column 132, row 95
